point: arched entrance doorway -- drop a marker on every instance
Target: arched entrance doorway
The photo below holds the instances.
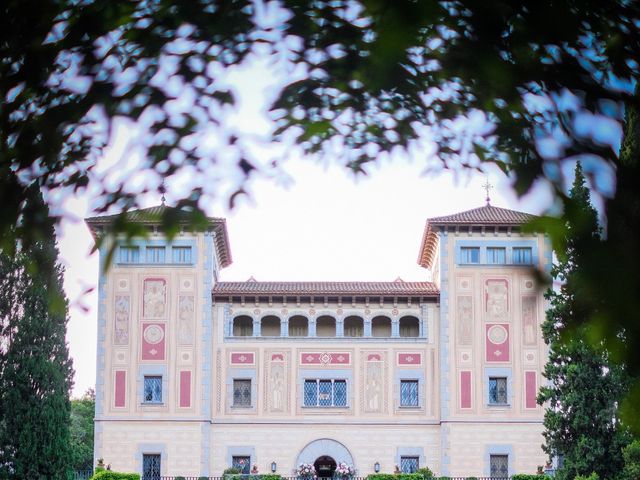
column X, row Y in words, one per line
column 325, row 451
column 325, row 466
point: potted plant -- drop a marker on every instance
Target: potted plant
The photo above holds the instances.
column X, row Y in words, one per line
column 306, row 471
column 344, row 471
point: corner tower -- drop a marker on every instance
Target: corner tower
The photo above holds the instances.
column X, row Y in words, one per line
column 153, row 372
column 491, row 349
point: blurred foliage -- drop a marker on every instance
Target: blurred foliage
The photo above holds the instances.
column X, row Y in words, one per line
column 528, row 85
column 631, row 455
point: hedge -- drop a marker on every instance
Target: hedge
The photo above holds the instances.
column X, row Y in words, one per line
column 395, row 476
column 109, row 475
column 528, row 476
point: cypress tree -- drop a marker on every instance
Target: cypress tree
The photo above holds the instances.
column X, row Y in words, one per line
column 584, row 386
column 35, row 369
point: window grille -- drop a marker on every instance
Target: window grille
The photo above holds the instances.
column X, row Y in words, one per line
column 129, row 255
column 242, row 463
column 155, row 255
column 470, row 255
column 152, row 389
column 499, row 466
column 496, row 255
column 325, row 393
column 497, row 390
column 242, row 393
column 409, row 464
column 181, row 254
column 409, row 393
column 150, row 467
column 522, row 255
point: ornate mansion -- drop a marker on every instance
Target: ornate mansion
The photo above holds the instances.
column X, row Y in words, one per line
column 195, row 375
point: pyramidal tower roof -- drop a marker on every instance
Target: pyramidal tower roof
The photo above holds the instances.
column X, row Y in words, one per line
column 485, row 216
column 161, row 214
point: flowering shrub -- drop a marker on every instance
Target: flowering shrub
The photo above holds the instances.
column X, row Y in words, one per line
column 307, row 471
column 345, row 471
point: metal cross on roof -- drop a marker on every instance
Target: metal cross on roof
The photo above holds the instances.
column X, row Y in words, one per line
column 163, row 190
column 487, row 186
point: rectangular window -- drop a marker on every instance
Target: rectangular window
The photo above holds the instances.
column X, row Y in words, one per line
column 497, row 390
column 325, row 393
column 470, row 255
column 150, row 467
column 522, row 256
column 409, row 464
column 242, row 393
column 496, row 255
column 155, row 254
column 152, row 389
column 181, row 254
column 499, row 466
column 242, row 463
column 129, row 255
column 408, row 393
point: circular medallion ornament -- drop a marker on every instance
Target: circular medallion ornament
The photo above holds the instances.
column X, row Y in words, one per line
column 497, row 334
column 284, row 311
column 256, row 311
column 153, row 334
column 312, row 311
column 464, row 284
column 339, row 311
column 465, row 357
column 394, row 311
column 185, row 356
column 530, row 357
column 529, row 284
column 123, row 284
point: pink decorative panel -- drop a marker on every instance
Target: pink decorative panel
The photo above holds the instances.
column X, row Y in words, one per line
column 465, row 389
column 531, row 390
column 409, row 359
column 242, row 358
column 497, row 342
column 185, row 389
column 374, row 357
column 120, row 388
column 153, row 341
column 325, row 358
column 277, row 357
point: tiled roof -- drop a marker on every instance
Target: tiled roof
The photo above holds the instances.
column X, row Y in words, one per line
column 487, row 215
column 325, row 288
column 156, row 215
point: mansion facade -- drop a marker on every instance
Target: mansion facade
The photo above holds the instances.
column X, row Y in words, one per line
column 195, row 375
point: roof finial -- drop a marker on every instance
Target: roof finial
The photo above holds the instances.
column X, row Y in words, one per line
column 163, row 190
column 487, row 186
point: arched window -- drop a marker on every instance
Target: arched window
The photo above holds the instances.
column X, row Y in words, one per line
column 242, row 326
column 381, row 326
column 409, row 326
column 325, row 326
column 298, row 326
column 270, row 326
column 353, row 326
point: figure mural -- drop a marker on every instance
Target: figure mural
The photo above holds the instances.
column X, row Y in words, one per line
column 154, row 297
column 373, row 385
column 277, row 388
column 121, row 325
column 497, row 300
column 465, row 319
column 185, row 320
column 529, row 320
